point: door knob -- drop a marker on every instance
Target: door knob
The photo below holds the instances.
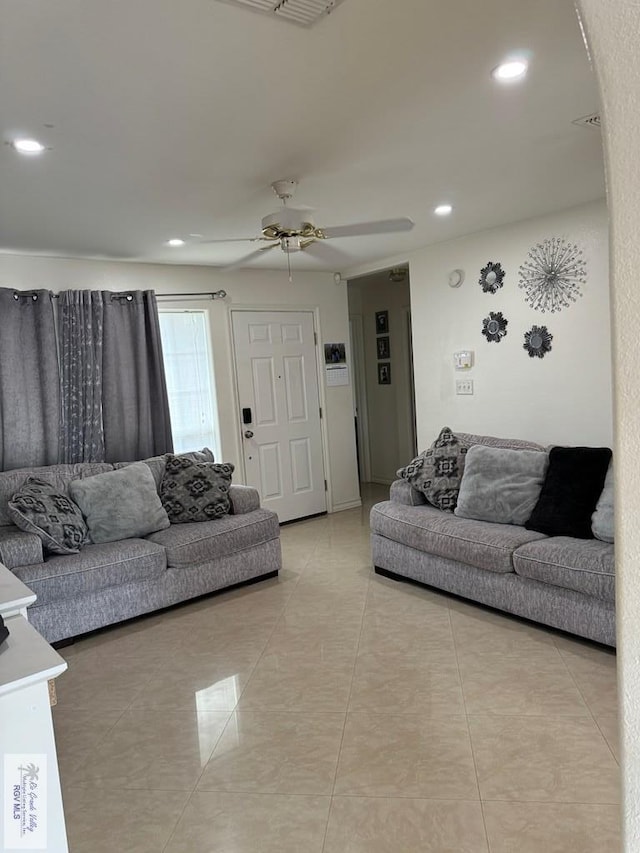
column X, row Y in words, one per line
column 248, row 433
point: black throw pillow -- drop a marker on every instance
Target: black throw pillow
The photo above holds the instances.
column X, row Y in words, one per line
column 570, row 491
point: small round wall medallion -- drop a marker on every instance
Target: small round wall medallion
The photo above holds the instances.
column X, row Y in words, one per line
column 491, row 277
column 537, row 341
column 456, row 277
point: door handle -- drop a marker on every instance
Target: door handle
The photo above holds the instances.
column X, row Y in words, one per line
column 248, row 433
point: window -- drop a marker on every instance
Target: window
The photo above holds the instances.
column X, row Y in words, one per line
column 190, row 384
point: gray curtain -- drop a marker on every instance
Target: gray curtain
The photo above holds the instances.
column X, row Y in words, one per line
column 80, row 332
column 135, row 404
column 29, row 380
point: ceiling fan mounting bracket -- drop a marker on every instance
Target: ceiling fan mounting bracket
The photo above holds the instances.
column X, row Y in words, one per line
column 285, row 188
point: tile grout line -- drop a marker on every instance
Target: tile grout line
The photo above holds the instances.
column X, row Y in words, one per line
column 466, row 715
column 353, row 672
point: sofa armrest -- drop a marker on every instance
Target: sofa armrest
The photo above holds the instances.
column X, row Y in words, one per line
column 243, row 499
column 18, row 548
column 402, row 492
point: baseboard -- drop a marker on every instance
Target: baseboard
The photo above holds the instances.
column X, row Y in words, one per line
column 380, row 481
column 347, row 505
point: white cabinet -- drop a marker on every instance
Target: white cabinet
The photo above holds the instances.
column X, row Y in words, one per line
column 31, row 813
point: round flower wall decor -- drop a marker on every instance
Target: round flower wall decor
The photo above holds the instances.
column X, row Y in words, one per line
column 491, row 277
column 537, row 342
column 494, row 327
column 553, row 275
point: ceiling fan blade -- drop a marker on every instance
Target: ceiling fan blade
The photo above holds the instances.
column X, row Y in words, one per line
column 247, row 258
column 361, row 229
column 326, row 252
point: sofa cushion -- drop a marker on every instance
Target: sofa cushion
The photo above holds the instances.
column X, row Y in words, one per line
column 603, row 519
column 120, row 504
column 18, row 548
column 570, row 491
column 476, row 543
column 437, row 471
column 500, row 484
column 200, row 542
column 583, row 565
column 470, row 439
column 39, row 508
column 95, row 568
column 195, row 491
column 158, row 463
column 58, row 476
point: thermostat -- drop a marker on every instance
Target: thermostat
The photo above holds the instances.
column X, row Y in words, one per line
column 463, row 360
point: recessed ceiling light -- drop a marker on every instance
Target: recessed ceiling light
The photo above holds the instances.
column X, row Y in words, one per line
column 175, row 241
column 510, row 71
column 28, row 146
column 443, row 210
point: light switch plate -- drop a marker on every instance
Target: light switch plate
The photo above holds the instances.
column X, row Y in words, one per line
column 464, row 386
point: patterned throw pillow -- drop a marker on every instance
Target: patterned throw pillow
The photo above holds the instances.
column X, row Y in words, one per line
column 437, row 472
column 38, row 508
column 195, row 491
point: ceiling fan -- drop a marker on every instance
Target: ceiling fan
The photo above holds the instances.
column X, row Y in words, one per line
column 293, row 229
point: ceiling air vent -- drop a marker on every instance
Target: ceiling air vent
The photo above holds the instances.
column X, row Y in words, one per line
column 305, row 13
column 592, row 120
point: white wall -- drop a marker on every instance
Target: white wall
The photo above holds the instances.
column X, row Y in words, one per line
column 562, row 398
column 389, row 411
column 259, row 289
column 612, row 28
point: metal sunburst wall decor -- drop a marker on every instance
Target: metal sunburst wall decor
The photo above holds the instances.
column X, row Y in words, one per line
column 494, row 327
column 537, row 341
column 553, row 275
column 491, row 277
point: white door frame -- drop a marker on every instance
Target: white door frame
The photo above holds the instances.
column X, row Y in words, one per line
column 360, row 393
column 319, row 369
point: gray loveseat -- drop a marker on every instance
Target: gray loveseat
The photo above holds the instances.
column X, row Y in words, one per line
column 107, row 583
column 559, row 581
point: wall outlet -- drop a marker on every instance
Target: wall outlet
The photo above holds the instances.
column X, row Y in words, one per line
column 464, row 386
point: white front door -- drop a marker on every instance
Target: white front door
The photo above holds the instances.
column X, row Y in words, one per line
column 279, row 410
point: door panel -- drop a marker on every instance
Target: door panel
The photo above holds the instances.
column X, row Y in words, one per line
column 277, row 379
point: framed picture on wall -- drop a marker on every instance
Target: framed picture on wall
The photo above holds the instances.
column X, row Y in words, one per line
column 384, row 349
column 384, row 373
column 382, row 322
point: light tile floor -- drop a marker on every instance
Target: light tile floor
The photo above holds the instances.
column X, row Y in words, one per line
column 334, row 710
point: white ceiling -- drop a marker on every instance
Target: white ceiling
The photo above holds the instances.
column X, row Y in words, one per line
column 171, row 118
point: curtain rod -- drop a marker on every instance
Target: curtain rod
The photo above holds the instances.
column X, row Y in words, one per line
column 216, row 294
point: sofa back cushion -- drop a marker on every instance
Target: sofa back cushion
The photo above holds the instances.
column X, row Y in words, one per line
column 571, row 489
column 120, row 504
column 470, row 439
column 500, row 484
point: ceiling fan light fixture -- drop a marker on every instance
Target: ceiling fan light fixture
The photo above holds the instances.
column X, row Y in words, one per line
column 443, row 210
column 398, row 274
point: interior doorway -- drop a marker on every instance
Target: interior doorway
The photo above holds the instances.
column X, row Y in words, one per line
column 383, row 379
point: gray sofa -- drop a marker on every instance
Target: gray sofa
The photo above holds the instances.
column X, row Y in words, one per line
column 558, row 581
column 107, row 583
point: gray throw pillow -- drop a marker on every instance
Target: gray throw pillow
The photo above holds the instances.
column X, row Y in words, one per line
column 120, row 504
column 437, row 472
column 41, row 509
column 501, row 485
column 602, row 520
column 195, row 491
